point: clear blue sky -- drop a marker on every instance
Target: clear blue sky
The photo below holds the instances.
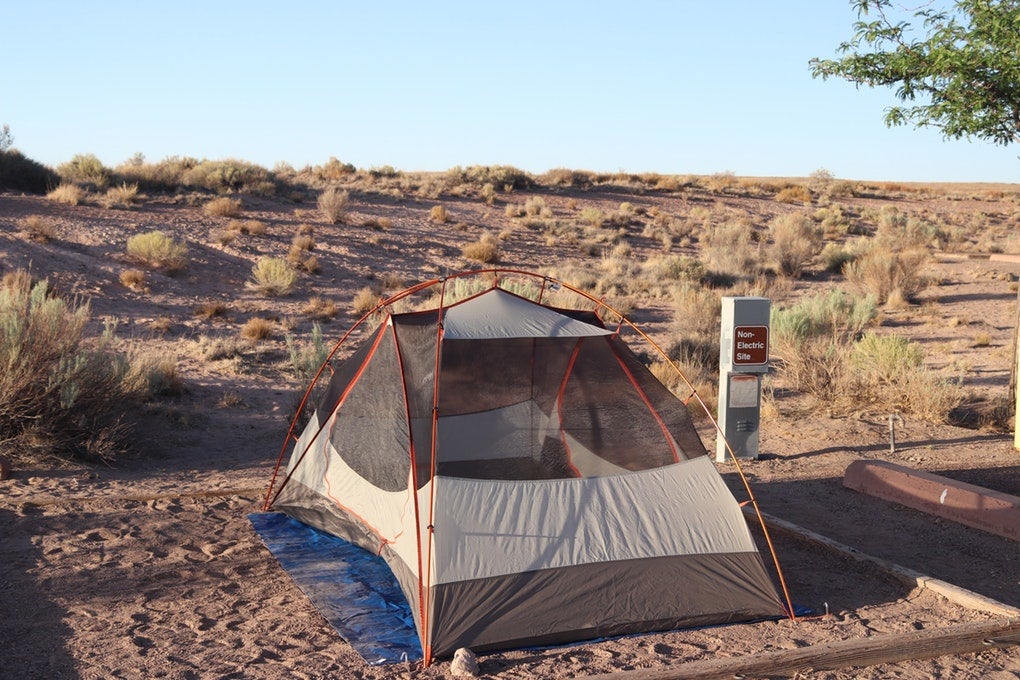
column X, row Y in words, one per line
column 671, row 87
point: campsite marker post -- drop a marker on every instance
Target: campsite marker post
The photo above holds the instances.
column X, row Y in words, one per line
column 743, row 358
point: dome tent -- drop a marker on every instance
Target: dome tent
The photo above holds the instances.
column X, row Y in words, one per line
column 523, row 474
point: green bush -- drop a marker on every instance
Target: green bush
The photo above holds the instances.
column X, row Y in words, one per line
column 273, row 276
column 836, row 315
column 156, row 249
column 305, row 359
column 62, row 393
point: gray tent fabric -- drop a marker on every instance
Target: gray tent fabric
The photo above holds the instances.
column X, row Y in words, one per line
column 528, row 480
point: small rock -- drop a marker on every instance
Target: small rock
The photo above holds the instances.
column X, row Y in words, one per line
column 35, row 480
column 464, row 664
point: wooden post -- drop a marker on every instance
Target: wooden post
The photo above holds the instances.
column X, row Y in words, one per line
column 1014, row 370
column 964, row 638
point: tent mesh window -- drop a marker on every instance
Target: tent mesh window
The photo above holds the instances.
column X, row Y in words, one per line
column 548, row 408
column 374, row 439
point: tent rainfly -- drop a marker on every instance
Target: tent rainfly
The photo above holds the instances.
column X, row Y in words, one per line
column 527, row 479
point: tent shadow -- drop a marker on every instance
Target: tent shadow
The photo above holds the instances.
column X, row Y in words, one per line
column 32, row 627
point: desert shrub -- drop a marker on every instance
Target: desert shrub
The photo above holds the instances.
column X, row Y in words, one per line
column 794, row 241
column 156, row 249
column 676, row 268
column 820, row 351
column 62, row 393
column 697, row 361
column 307, row 358
column 730, row 248
column 273, row 276
column 592, row 216
column 794, row 194
column 696, row 311
column 133, row 279
column 229, row 176
column 70, row 194
column 568, row 178
column 898, row 230
column 38, row 228
column 484, row 250
column 488, row 193
column 439, row 214
column 122, row 196
column 835, row 257
column 881, row 358
column 506, row 177
column 834, row 220
column 20, row 173
column 535, row 206
column 223, row 207
column 84, row 169
column 333, row 204
column 835, row 314
column 886, row 274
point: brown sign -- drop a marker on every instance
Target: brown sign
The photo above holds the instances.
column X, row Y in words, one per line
column 750, row 345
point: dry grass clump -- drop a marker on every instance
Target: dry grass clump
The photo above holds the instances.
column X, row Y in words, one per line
column 889, row 275
column 731, row 248
column 214, row 309
column 253, row 227
column 134, row 279
column 84, row 169
column 38, row 228
column 70, row 194
column 484, row 250
column 156, row 249
column 794, row 194
column 273, row 276
column 592, row 216
column 152, row 373
column 62, row 393
column 794, row 241
column 307, row 358
column 223, row 206
column 439, row 214
column 304, row 242
column 321, row 308
column 364, row 301
column 257, row 328
column 17, row 280
column 217, row 349
column 379, row 223
column 123, row 196
column 333, row 204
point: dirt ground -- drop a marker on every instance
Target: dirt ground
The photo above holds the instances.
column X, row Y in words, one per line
column 150, row 568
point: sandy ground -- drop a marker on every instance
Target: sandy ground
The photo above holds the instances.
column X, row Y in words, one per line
column 151, row 568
